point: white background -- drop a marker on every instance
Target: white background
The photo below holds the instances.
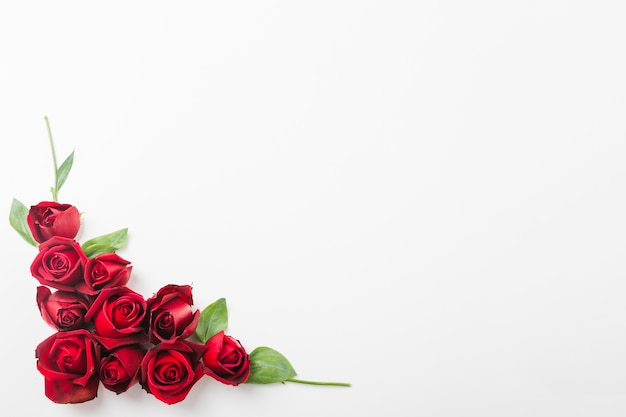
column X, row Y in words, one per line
column 426, row 199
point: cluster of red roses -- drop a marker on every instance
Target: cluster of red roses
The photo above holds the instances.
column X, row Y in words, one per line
column 107, row 333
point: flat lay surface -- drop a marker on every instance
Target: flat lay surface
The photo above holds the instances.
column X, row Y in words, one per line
column 423, row 199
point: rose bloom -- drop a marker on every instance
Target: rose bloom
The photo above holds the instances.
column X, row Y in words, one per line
column 170, row 370
column 69, row 363
column 119, row 317
column 104, row 271
column 59, row 263
column 119, row 369
column 48, row 219
column 171, row 315
column 62, row 310
column 226, row 360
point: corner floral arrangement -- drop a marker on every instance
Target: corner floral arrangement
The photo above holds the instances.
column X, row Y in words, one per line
column 107, row 335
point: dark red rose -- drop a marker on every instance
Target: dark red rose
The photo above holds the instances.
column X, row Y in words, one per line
column 226, row 360
column 171, row 315
column 119, row 317
column 69, row 363
column 119, row 369
column 104, row 271
column 59, row 263
column 49, row 219
column 62, row 310
column 170, row 370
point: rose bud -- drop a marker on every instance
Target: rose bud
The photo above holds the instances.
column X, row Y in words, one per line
column 171, row 315
column 48, row 219
column 59, row 263
column 62, row 310
column 69, row 362
column 226, row 360
column 119, row 317
column 104, row 271
column 119, row 370
column 169, row 370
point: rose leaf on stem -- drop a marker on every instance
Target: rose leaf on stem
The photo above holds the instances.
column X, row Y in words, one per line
column 17, row 219
column 268, row 366
column 213, row 319
column 108, row 243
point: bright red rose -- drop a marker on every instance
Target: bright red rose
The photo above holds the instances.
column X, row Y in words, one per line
column 59, row 263
column 69, row 362
column 226, row 360
column 62, row 310
column 171, row 315
column 119, row 317
column 119, row 369
column 49, row 219
column 104, row 271
column 170, row 370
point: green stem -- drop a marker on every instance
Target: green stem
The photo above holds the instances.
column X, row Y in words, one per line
column 55, row 191
column 335, row 384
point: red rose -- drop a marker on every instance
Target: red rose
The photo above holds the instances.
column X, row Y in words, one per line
column 59, row 263
column 226, row 360
column 48, row 219
column 119, row 370
column 69, row 363
column 170, row 370
column 104, row 271
column 171, row 315
column 119, row 317
column 62, row 310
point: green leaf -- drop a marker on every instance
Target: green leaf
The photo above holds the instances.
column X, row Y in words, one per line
column 268, row 366
column 64, row 171
column 17, row 219
column 106, row 243
column 213, row 319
